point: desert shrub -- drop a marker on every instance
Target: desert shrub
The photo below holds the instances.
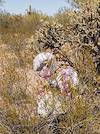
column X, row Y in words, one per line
column 16, row 31
column 77, row 39
column 82, row 31
column 22, row 24
column 51, row 35
column 86, row 32
column 67, row 18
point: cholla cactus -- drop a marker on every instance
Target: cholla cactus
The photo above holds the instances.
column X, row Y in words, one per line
column 86, row 33
column 50, row 36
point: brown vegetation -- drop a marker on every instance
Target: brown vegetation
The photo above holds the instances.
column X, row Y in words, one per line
column 77, row 38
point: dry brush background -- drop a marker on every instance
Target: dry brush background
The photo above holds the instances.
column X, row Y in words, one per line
column 77, row 35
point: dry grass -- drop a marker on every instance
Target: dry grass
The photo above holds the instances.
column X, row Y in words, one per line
column 19, row 84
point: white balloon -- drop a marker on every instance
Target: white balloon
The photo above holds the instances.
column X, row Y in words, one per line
column 40, row 58
column 50, row 104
